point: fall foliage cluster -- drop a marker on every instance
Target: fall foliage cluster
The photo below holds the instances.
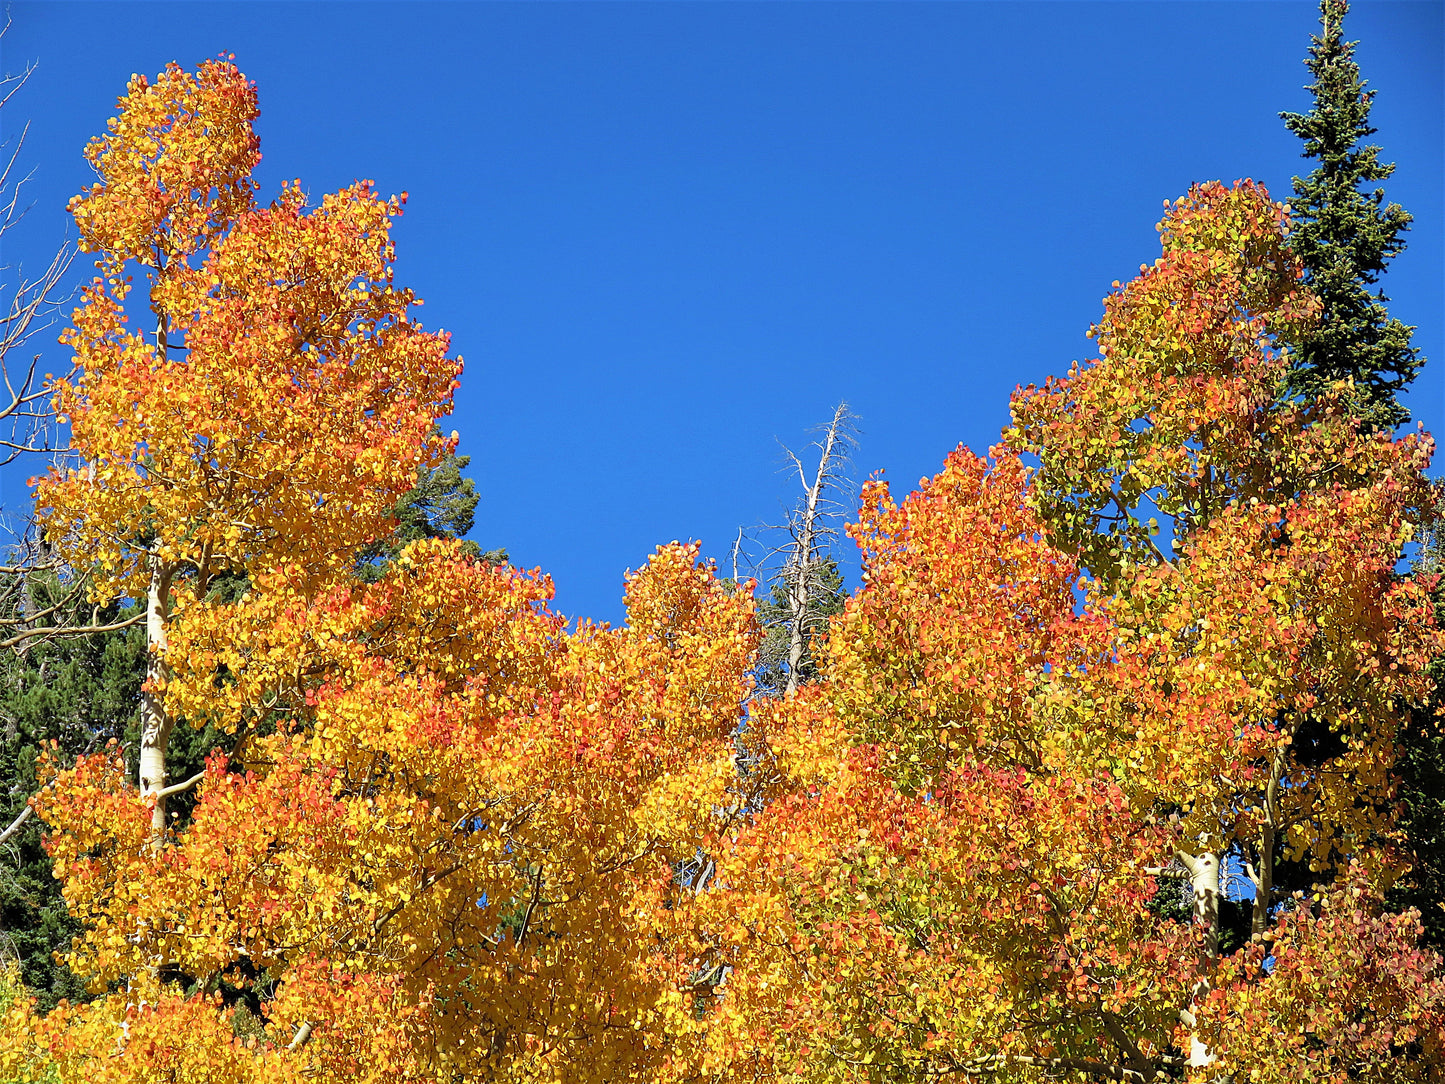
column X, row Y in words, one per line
column 1151, row 648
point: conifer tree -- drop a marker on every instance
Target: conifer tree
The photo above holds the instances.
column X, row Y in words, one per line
column 442, row 505
column 1420, row 769
column 82, row 691
column 77, row 692
column 807, row 589
column 826, row 596
column 1345, row 235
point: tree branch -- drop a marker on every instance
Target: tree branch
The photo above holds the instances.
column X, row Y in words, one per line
column 996, row 1063
column 16, row 823
column 71, row 630
column 181, row 788
column 1167, row 871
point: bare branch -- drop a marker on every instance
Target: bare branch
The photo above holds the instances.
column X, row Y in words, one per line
column 807, row 530
column 64, row 631
column 1167, row 871
column 28, row 306
column 181, row 788
column 16, row 824
column 40, row 615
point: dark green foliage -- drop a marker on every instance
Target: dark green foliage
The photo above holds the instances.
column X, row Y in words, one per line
column 1235, row 924
column 1345, row 236
column 78, row 692
column 826, row 596
column 1172, row 901
column 443, row 505
column 84, row 691
column 1420, row 770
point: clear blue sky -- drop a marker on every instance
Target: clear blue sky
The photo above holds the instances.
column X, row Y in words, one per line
column 666, row 236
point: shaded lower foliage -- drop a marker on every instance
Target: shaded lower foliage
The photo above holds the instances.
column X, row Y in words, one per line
column 77, row 692
column 1420, row 769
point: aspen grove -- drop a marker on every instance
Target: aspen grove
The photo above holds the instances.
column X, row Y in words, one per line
column 1155, row 634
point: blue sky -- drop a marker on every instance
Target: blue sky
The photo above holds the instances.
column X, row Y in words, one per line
column 667, row 236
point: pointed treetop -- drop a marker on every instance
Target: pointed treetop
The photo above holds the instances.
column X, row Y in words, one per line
column 1346, row 236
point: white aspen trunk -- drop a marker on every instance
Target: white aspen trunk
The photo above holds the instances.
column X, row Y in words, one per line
column 155, row 729
column 806, row 544
column 1263, row 878
column 1204, row 880
column 155, row 723
column 798, row 601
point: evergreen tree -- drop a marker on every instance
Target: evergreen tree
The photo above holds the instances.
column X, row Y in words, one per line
column 1345, row 236
column 77, row 692
column 1420, row 769
column 443, row 505
column 806, row 584
column 826, row 596
column 82, row 691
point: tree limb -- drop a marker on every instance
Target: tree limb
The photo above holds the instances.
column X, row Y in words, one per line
column 16, row 823
column 299, row 1039
column 71, row 630
column 181, row 788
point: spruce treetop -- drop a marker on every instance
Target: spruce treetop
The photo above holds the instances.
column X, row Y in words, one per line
column 1346, row 235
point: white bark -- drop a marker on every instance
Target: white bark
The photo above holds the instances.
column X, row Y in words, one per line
column 1204, row 879
column 805, row 555
column 16, row 824
column 1263, row 877
column 155, row 721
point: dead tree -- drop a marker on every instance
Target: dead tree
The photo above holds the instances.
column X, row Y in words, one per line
column 813, row 529
column 805, row 585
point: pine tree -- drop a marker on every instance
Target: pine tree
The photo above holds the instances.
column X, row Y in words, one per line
column 1346, row 235
column 81, row 691
column 77, row 692
column 1420, row 768
column 442, row 505
column 805, row 587
column 826, row 596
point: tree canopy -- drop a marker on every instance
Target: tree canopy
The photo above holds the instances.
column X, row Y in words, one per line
column 453, row 838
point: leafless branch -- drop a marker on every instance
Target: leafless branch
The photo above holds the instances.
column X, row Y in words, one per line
column 811, row 528
column 68, row 631
column 181, row 788
column 1173, row 872
column 28, row 305
column 66, row 612
column 16, row 824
